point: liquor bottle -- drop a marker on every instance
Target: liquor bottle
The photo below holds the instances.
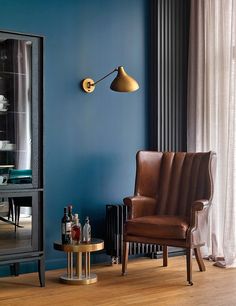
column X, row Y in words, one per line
column 76, row 230
column 70, row 215
column 87, row 231
column 65, row 228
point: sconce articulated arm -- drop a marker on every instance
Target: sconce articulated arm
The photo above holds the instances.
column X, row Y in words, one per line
column 116, row 69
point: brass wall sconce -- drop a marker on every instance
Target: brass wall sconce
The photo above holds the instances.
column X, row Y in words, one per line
column 122, row 82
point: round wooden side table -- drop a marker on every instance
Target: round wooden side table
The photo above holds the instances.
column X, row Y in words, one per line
column 82, row 273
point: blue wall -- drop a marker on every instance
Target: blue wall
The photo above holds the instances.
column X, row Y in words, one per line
column 90, row 139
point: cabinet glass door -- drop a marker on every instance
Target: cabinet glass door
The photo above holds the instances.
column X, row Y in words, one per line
column 19, row 221
column 15, row 111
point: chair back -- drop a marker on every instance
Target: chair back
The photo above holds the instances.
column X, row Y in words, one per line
column 175, row 179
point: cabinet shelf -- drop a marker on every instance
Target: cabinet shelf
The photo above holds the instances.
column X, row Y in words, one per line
column 4, row 112
column 16, row 112
column 12, row 73
column 7, row 150
column 6, row 166
column 13, row 150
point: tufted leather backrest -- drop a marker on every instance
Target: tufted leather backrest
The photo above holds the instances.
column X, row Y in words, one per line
column 175, row 179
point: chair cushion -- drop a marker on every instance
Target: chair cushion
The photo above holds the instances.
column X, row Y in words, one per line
column 162, row 226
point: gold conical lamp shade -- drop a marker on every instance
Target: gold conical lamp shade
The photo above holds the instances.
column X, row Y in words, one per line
column 123, row 82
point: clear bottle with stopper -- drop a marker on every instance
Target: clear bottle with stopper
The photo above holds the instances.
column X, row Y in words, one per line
column 87, row 231
column 76, row 230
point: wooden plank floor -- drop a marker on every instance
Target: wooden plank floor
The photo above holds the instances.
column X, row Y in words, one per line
column 148, row 283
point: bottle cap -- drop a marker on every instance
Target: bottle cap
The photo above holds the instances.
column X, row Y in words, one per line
column 76, row 216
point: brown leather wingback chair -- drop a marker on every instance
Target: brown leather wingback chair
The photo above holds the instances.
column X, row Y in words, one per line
column 173, row 192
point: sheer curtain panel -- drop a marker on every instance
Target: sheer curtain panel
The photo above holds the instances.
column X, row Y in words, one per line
column 212, row 114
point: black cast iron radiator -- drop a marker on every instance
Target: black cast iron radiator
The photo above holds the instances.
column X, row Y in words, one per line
column 116, row 216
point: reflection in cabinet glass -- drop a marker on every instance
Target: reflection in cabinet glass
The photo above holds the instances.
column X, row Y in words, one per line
column 21, row 180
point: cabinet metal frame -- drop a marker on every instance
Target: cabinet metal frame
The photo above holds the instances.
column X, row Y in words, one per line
column 35, row 189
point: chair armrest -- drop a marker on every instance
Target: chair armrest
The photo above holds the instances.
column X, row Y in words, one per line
column 139, row 206
column 197, row 206
column 200, row 205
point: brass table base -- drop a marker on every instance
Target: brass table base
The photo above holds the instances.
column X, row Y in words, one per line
column 81, row 274
column 83, row 280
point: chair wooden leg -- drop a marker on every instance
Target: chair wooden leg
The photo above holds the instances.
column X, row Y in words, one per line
column 17, row 216
column 125, row 258
column 165, row 256
column 189, row 265
column 199, row 259
column 10, row 210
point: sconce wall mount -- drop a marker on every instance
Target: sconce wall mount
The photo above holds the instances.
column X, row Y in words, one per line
column 88, row 85
column 122, row 82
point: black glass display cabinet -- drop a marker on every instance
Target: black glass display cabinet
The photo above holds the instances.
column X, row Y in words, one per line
column 21, row 154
